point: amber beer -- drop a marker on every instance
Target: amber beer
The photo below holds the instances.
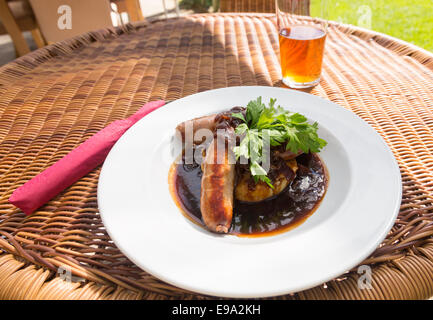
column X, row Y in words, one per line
column 301, row 52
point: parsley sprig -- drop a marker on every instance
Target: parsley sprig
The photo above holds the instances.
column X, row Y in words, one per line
column 273, row 125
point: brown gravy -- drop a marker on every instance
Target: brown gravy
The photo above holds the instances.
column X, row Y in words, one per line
column 268, row 217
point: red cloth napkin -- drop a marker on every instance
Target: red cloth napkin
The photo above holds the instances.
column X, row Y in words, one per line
column 76, row 164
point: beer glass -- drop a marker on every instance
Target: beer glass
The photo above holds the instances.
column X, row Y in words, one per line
column 302, row 30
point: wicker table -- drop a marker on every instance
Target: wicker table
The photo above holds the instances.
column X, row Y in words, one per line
column 55, row 98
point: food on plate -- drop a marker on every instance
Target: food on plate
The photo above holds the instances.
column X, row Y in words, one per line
column 248, row 190
column 256, row 171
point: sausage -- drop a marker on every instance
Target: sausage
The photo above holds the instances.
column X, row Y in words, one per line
column 205, row 122
column 217, row 185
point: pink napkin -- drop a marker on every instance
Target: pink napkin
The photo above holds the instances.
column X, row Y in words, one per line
column 76, row 164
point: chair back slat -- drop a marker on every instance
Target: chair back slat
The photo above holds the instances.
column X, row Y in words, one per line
column 301, row 7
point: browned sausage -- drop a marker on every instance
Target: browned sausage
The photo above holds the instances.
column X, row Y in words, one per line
column 205, row 122
column 217, row 185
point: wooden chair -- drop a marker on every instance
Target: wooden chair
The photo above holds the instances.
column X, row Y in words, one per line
column 131, row 7
column 87, row 15
column 17, row 16
column 265, row 6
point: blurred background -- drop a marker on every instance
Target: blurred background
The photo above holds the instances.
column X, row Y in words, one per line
column 26, row 25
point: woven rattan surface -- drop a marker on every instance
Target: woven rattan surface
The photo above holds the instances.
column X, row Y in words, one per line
column 55, row 98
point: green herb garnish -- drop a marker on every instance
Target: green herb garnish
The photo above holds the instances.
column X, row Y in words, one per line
column 274, row 125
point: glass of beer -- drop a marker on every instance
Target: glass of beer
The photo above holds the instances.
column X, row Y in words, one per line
column 302, row 29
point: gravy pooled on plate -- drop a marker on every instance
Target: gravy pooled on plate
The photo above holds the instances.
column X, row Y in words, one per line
column 277, row 214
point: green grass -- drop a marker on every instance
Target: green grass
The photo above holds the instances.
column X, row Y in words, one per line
column 411, row 21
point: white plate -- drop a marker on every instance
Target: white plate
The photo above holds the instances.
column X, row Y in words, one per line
column 358, row 210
